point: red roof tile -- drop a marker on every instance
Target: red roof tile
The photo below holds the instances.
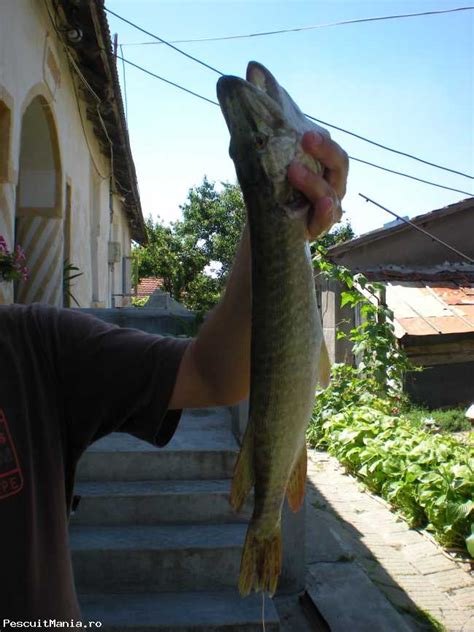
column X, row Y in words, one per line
column 147, row 286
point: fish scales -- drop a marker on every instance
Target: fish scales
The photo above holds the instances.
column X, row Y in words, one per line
column 287, row 349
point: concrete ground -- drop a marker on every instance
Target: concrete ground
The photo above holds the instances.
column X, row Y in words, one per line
column 367, row 571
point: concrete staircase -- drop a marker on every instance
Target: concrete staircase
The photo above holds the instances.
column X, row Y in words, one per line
column 155, row 543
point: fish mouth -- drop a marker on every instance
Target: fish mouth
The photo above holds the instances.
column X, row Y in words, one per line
column 262, row 78
column 257, row 109
column 246, row 101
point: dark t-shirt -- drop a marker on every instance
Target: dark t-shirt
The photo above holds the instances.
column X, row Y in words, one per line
column 66, row 379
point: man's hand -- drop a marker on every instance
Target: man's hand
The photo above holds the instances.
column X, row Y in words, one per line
column 324, row 191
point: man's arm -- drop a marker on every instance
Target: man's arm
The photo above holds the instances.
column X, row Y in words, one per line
column 215, row 369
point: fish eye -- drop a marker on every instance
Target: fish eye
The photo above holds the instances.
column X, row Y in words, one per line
column 260, row 141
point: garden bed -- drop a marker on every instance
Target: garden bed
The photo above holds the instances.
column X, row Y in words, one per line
column 428, row 477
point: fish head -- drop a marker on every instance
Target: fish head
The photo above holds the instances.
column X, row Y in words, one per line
column 266, row 127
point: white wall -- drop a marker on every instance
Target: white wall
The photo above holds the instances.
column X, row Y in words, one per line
column 32, row 63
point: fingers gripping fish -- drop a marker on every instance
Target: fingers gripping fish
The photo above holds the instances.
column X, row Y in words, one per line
column 287, row 348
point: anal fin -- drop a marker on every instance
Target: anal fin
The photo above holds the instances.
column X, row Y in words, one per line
column 296, row 486
column 244, row 473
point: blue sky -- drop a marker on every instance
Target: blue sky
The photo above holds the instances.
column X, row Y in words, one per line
column 406, row 83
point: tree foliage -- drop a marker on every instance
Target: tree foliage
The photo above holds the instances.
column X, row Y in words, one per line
column 339, row 234
column 194, row 255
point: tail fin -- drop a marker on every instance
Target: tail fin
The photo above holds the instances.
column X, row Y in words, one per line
column 260, row 567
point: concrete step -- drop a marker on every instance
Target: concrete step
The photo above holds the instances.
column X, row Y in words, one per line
column 202, row 448
column 156, row 502
column 348, row 600
column 180, row 612
column 156, row 558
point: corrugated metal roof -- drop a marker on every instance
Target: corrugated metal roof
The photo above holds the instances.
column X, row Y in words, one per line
column 426, row 308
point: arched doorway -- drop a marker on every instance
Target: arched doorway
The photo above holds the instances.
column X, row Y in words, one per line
column 38, row 225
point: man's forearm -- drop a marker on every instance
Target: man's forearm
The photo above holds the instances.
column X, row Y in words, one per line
column 222, row 348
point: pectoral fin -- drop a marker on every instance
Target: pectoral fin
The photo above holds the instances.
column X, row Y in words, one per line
column 296, row 486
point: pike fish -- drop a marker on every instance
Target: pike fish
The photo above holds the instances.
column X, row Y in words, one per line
column 288, row 355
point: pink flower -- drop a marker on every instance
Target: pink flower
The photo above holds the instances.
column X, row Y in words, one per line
column 12, row 267
column 20, row 253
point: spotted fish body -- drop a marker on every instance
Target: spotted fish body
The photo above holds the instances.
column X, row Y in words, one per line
column 266, row 127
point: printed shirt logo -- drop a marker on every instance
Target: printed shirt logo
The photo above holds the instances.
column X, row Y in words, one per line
column 11, row 478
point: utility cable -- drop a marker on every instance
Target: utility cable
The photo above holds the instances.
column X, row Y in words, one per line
column 306, row 28
column 162, row 41
column 421, row 230
column 396, row 151
column 406, row 175
column 171, row 83
column 203, row 98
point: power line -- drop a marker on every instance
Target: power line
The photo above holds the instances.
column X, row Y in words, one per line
column 421, row 230
column 203, row 98
column 406, row 175
column 305, row 28
column 396, row 151
column 171, row 83
column 162, row 41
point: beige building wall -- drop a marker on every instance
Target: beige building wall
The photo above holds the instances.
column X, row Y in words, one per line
column 54, row 179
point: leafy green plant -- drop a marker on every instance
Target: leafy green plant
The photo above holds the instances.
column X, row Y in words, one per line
column 374, row 343
column 377, row 381
column 360, row 418
column 70, row 272
column 450, row 420
column 140, row 302
column 428, row 478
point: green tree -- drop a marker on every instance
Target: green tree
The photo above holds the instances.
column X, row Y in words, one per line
column 194, row 255
column 213, row 222
column 167, row 257
column 339, row 234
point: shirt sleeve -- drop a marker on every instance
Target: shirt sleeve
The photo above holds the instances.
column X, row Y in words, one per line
column 116, row 379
